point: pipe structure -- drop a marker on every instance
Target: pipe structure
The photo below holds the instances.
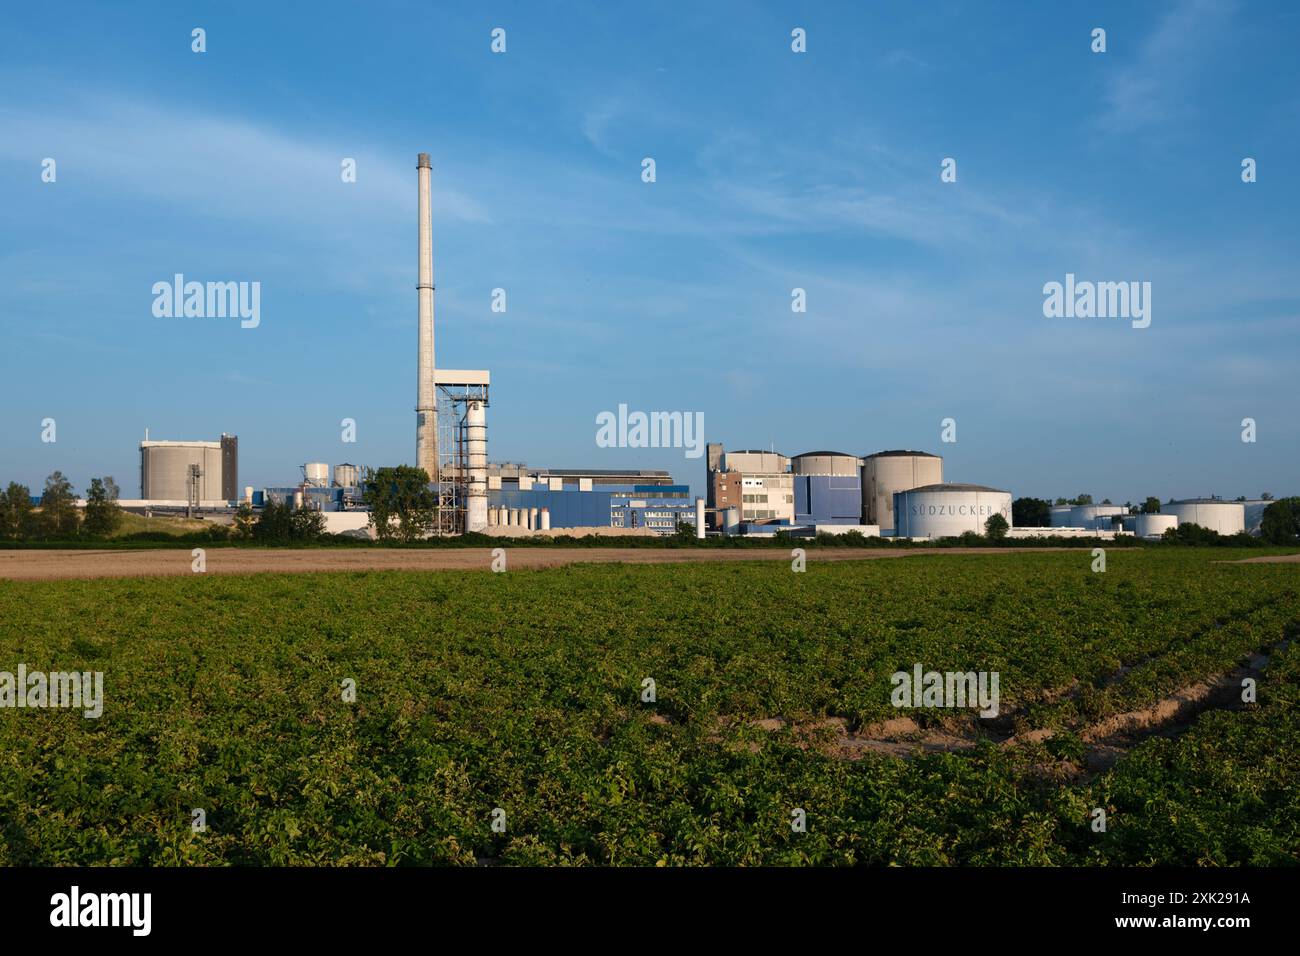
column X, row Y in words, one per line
column 546, row 519
column 699, row 518
column 426, row 404
column 476, row 516
column 532, row 519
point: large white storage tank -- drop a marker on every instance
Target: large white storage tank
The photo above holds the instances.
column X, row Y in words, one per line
column 1086, row 516
column 316, row 474
column 346, row 476
column 948, row 510
column 886, row 473
column 1153, row 526
column 1225, row 517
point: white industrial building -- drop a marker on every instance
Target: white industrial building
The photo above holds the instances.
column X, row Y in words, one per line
column 766, row 484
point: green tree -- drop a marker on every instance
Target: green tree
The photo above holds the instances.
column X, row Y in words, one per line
column 1280, row 523
column 281, row 522
column 17, row 517
column 402, row 494
column 1082, row 500
column 59, row 516
column 245, row 520
column 1151, row 506
column 103, row 513
column 308, row 524
column 996, row 527
column 1031, row 513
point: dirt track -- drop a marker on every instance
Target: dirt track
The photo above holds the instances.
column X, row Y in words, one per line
column 72, row 563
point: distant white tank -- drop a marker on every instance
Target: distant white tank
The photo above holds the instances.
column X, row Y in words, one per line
column 316, row 474
column 1153, row 526
column 546, row 519
column 1225, row 517
column 1086, row 516
column 346, row 475
column 1061, row 516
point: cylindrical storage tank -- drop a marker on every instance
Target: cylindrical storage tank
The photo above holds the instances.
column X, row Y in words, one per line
column 346, row 475
column 886, row 473
column 825, row 463
column 248, row 494
column 297, row 500
column 732, row 523
column 1086, row 516
column 476, row 451
column 1153, row 526
column 532, row 519
column 165, row 470
column 1061, row 516
column 699, row 518
column 948, row 510
column 1225, row 517
column 316, row 474
column 1130, row 523
column 546, row 519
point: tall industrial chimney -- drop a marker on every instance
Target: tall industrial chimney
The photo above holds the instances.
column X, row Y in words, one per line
column 426, row 404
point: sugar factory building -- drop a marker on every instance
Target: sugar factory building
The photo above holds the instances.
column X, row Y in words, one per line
column 898, row 493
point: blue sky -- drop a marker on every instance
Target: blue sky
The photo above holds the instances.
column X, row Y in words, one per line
column 775, row 170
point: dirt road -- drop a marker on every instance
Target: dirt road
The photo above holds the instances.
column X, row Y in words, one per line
column 72, row 563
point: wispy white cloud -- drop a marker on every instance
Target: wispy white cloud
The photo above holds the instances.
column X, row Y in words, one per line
column 1157, row 86
column 218, row 166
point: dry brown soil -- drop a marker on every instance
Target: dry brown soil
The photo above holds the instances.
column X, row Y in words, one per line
column 74, row 563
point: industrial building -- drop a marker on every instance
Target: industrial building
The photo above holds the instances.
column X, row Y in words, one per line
column 827, row 488
column 766, row 484
column 189, row 471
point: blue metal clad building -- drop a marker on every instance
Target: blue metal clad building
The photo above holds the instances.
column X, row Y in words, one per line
column 657, row 507
column 569, row 508
column 828, row 499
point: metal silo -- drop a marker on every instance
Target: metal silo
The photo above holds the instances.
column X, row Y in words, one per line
column 1095, row 516
column 1153, row 526
column 948, row 510
column 347, row 476
column 1225, row 517
column 165, row 470
column 886, row 473
column 316, row 474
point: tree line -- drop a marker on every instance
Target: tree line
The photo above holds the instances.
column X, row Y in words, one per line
column 57, row 515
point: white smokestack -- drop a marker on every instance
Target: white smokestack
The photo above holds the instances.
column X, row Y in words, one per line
column 426, row 405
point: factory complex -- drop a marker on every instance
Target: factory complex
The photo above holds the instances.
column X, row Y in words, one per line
column 896, row 493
